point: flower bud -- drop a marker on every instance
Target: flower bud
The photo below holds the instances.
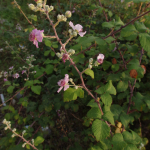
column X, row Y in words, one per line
column 96, row 63
column 13, row 135
column 68, row 14
column 70, row 31
column 90, row 60
column 31, row 6
column 47, row 7
column 90, row 66
column 119, row 125
column 76, row 87
column 74, row 33
column 71, row 80
column 14, row 129
column 24, row 144
column 51, row 7
column 23, row 132
column 58, row 17
column 39, row 5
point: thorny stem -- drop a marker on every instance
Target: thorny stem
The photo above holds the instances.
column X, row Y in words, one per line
column 80, row 74
column 24, row 14
column 132, row 87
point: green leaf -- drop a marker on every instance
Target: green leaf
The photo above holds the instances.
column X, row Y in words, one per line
column 48, row 43
column 7, row 83
column 128, row 31
column 106, row 99
column 110, row 13
column 46, row 53
column 92, row 103
column 33, row 17
column 140, row 26
column 109, row 39
column 100, row 41
column 115, row 67
column 90, row 73
column 100, row 129
column 122, row 86
column 36, row 89
column 27, row 146
column 10, row 89
column 38, row 140
column 108, row 116
column 116, row 110
column 126, row 119
column 49, row 69
column 106, row 65
column 108, row 24
column 28, row 83
column 130, row 147
column 110, row 88
column 72, row 94
column 145, row 41
column 118, row 142
column 100, row 90
column 94, row 113
column 118, row 22
column 95, row 148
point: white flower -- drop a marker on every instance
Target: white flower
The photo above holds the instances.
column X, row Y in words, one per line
column 77, row 28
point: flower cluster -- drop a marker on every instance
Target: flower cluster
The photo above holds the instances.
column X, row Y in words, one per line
column 7, row 74
column 40, row 7
column 65, row 56
column 99, row 61
column 77, row 29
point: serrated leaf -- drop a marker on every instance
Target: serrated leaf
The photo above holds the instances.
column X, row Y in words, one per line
column 140, row 26
column 110, row 88
column 128, row 31
column 145, row 41
column 38, row 140
column 108, row 116
column 106, row 99
column 130, row 147
column 46, row 53
column 92, row 103
column 100, row 129
column 47, row 42
column 36, row 89
column 100, row 90
column 122, row 86
column 10, row 89
column 94, row 113
column 106, row 65
column 49, row 69
column 90, row 73
column 118, row 142
column 28, row 83
column 108, row 24
column 116, row 110
column 115, row 67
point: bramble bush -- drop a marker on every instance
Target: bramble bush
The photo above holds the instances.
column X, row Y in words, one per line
column 75, row 74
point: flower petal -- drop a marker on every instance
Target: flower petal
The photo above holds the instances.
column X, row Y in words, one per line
column 66, row 87
column 78, row 27
column 71, row 25
column 66, row 78
column 82, row 33
column 59, row 89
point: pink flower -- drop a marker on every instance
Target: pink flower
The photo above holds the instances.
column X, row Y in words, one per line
column 63, row 83
column 16, row 75
column 65, row 57
column 5, row 80
column 100, row 58
column 23, row 71
column 78, row 28
column 11, row 67
column 36, row 36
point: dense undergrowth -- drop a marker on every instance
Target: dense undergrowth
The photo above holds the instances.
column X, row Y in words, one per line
column 107, row 103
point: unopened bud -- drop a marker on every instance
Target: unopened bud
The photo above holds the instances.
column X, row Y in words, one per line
column 31, row 6
column 24, row 144
column 13, row 135
column 39, row 5
column 76, row 87
column 74, row 33
column 51, row 7
column 90, row 60
column 58, row 17
column 68, row 14
column 71, row 80
column 96, row 63
column 70, row 31
column 90, row 66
